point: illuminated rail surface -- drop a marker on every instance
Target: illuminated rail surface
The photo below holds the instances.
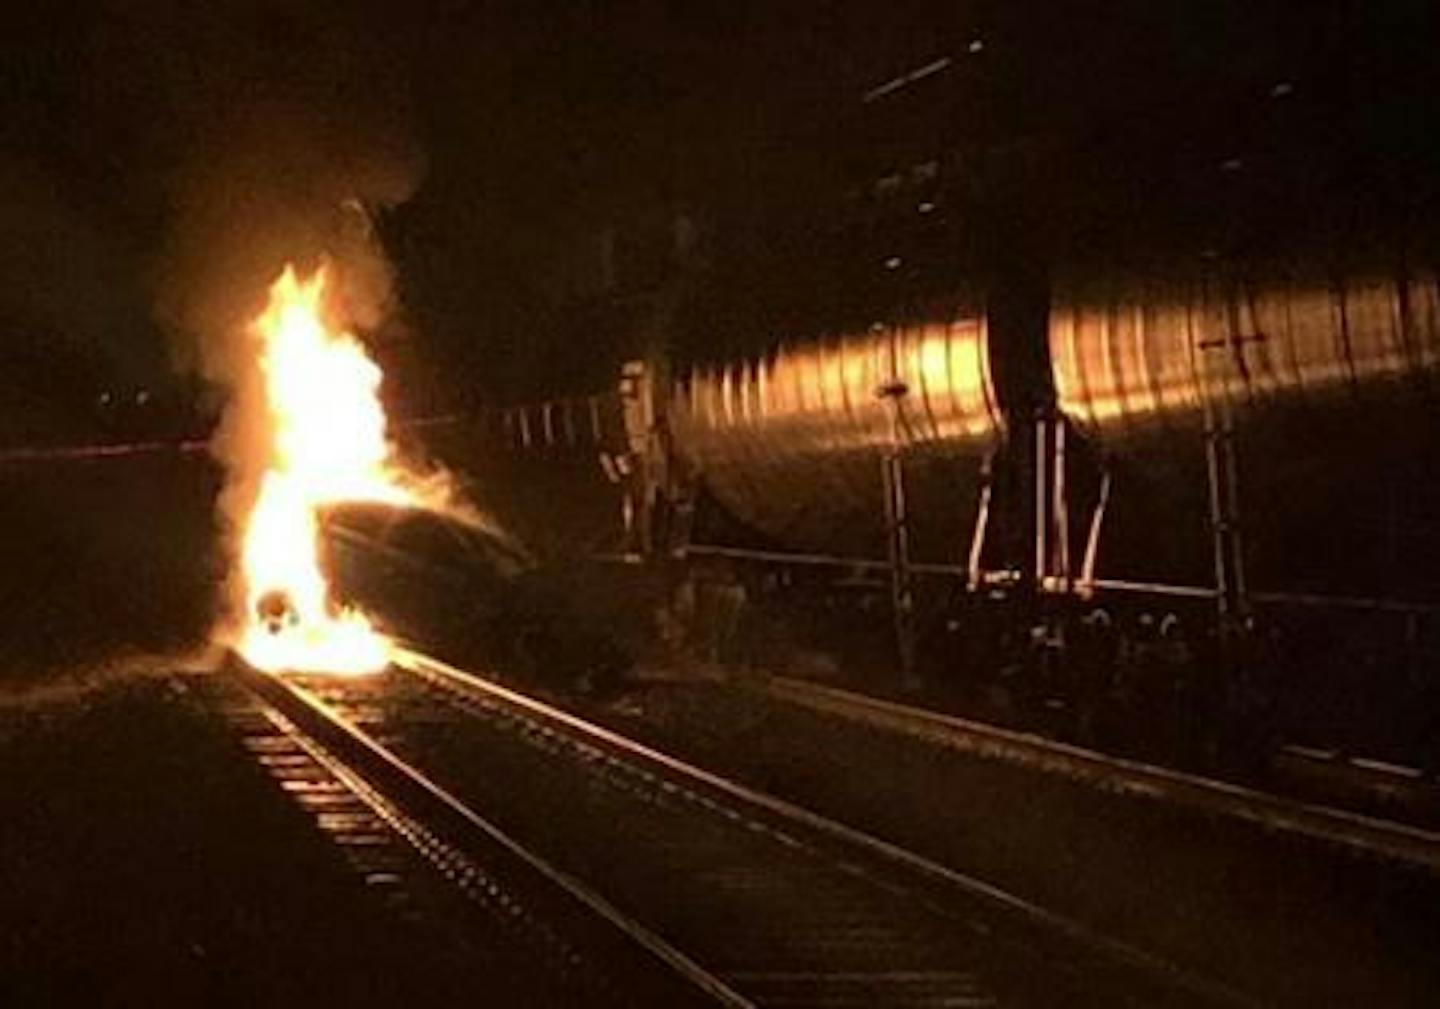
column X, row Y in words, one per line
column 682, row 887
column 426, row 882
column 1384, row 839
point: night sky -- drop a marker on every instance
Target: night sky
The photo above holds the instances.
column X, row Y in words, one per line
column 533, row 167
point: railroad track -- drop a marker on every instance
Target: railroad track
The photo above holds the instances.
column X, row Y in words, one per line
column 662, row 884
column 1358, row 833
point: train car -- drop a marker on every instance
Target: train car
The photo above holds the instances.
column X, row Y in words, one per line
column 1321, row 386
column 1269, row 440
column 1245, row 456
column 1001, row 390
column 1286, row 379
column 1229, row 468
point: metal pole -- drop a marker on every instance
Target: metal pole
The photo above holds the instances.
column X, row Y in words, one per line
column 902, row 588
column 1041, row 467
column 1092, row 543
column 1240, row 601
column 1227, row 544
column 897, row 522
column 1061, row 513
column 1215, row 445
column 982, row 523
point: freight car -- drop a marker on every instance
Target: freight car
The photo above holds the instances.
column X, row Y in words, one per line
column 1223, row 478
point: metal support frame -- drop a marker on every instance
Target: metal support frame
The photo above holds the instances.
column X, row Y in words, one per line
column 1092, row 542
column 897, row 520
column 975, row 573
column 648, row 488
column 1060, row 505
column 1231, row 598
column 902, row 577
column 1231, row 595
column 1052, row 505
column 1041, row 470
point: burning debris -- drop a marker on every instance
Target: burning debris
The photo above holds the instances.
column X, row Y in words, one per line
column 275, row 612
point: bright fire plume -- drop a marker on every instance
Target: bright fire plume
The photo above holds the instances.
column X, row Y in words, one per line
column 326, row 444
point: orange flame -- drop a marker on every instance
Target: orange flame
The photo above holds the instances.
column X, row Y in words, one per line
column 327, row 443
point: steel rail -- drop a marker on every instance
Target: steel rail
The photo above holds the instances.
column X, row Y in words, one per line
column 902, row 862
column 1370, row 836
column 294, row 703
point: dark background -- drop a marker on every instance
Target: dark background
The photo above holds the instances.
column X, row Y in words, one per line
column 558, row 182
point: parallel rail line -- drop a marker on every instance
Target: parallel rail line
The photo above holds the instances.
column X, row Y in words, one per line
column 1369, row 836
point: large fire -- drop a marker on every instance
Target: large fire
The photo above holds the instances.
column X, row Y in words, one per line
column 326, row 443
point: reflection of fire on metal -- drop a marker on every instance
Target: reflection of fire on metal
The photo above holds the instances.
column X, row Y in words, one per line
column 1132, row 355
column 324, row 442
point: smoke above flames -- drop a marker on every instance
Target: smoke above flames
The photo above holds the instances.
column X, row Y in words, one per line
column 280, row 170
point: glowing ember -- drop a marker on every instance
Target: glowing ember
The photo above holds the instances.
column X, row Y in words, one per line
column 326, row 444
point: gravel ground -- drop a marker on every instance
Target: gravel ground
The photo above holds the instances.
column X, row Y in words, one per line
column 146, row 860
column 1274, row 915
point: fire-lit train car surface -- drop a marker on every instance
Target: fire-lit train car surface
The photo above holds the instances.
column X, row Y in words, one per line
column 1129, row 356
column 791, row 444
column 1287, row 380
column 1299, row 376
column 1307, row 378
